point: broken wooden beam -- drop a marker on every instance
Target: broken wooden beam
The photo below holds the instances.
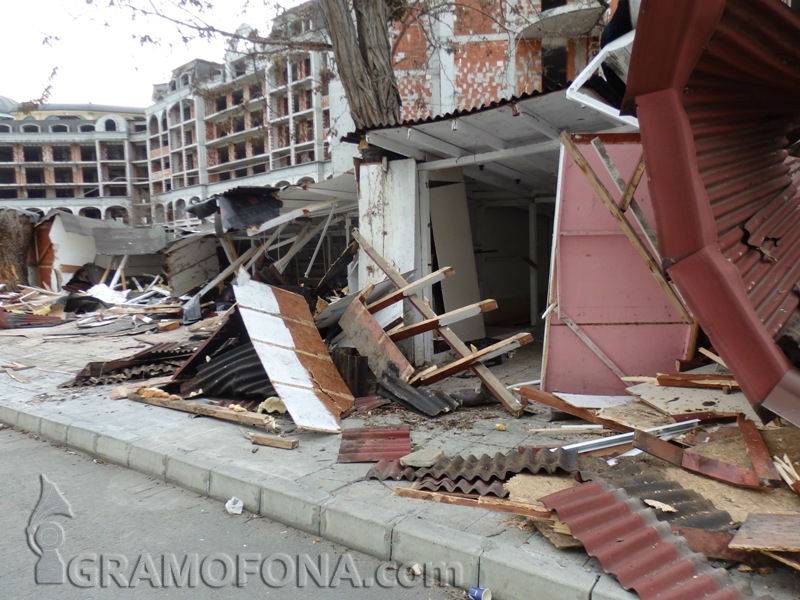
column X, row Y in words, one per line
column 758, row 452
column 554, row 401
column 273, row 441
column 697, row 380
column 465, row 362
column 443, row 320
column 507, row 506
column 691, row 461
column 411, row 288
column 497, row 389
column 206, row 410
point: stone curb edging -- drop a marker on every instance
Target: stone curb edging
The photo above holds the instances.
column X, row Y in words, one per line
column 511, row 573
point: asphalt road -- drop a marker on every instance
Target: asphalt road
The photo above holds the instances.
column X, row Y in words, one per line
column 131, row 534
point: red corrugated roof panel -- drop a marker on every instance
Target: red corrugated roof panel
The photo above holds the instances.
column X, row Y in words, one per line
column 632, row 544
column 372, row 445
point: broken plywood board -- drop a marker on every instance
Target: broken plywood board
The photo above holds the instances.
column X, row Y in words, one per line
column 554, row 533
column 774, row 532
column 529, row 488
column 678, row 400
column 592, row 400
column 635, row 414
column 293, row 354
column 371, row 341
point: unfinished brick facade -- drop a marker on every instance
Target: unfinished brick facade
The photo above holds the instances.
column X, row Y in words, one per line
column 474, row 55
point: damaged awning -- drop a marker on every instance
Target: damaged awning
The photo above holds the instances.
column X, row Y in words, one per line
column 512, row 144
column 714, row 122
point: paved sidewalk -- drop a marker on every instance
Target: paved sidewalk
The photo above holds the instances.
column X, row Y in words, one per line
column 126, row 519
column 305, row 487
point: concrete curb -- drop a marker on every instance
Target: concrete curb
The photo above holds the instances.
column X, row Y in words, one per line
column 511, row 573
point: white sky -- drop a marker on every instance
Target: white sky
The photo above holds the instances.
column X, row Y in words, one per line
column 98, row 59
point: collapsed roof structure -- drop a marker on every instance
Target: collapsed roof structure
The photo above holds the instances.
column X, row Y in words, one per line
column 715, row 123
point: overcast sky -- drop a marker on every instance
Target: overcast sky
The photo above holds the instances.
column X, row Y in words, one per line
column 98, row 53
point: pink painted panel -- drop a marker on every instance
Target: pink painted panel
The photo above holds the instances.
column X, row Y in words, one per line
column 635, row 349
column 603, row 280
column 603, row 286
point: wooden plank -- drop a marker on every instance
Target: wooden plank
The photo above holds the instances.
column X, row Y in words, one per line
column 604, row 358
column 207, row 410
column 790, row 559
column 697, row 380
column 273, row 441
column 758, row 452
column 633, row 183
column 409, row 289
column 554, row 401
column 493, row 384
column 371, row 341
column 710, row 467
column 626, row 228
column 466, row 362
column 443, row 320
column 773, row 532
column 715, row 357
column 507, row 506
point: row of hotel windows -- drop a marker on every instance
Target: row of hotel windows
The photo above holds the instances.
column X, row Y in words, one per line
column 110, row 125
column 64, row 153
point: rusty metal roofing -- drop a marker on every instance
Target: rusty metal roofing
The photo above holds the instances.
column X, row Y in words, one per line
column 501, row 466
column 391, row 469
column 714, row 122
column 374, row 444
column 493, row 487
column 161, row 359
column 691, row 509
column 632, row 544
column 9, row 320
column 463, row 112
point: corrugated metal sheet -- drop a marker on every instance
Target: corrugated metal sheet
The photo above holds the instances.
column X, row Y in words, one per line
column 691, row 509
column 493, row 487
column 10, row 320
column 501, row 466
column 293, row 354
column 374, row 444
column 632, row 544
column 714, row 121
column 385, row 470
column 234, row 373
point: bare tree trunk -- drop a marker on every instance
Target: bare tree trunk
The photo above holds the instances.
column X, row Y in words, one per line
column 364, row 60
column 16, row 234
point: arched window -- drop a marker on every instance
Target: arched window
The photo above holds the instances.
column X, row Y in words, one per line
column 30, row 128
column 111, row 125
column 87, row 128
column 59, row 128
column 5, row 128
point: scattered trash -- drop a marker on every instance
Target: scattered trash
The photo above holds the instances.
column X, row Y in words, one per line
column 234, row 506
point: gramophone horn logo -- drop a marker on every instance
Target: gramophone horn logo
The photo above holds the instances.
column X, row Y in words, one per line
column 46, row 535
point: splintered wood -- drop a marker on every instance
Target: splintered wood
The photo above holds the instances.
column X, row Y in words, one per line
column 468, row 358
